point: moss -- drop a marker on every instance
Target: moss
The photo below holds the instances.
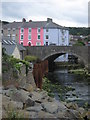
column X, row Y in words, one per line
column 54, row 87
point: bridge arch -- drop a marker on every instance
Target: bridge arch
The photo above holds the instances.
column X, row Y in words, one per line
column 48, row 52
column 51, row 57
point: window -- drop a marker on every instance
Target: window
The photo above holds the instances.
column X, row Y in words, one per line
column 29, row 30
column 38, row 43
column 29, row 37
column 8, row 30
column 38, row 30
column 38, row 36
column 47, row 30
column 21, row 37
column 13, row 29
column 22, row 30
column 9, row 35
column 46, row 43
column 13, row 37
column 47, row 37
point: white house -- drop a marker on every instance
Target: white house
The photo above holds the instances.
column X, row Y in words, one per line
column 55, row 34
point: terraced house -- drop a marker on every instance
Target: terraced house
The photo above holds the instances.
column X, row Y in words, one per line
column 37, row 33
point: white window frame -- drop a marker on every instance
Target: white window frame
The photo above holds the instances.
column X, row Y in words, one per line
column 38, row 30
column 21, row 30
column 20, row 37
column 37, row 44
column 28, row 36
column 40, row 37
column 29, row 29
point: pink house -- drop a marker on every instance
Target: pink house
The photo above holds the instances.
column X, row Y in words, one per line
column 31, row 34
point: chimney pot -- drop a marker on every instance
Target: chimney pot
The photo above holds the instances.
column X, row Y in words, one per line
column 49, row 20
column 23, row 20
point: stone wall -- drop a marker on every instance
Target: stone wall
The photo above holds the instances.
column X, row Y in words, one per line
column 13, row 76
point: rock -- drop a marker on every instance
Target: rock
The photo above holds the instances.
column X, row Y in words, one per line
column 19, row 96
column 68, row 115
column 35, row 109
column 35, row 96
column 15, row 105
column 8, row 92
column 29, row 102
column 30, row 79
column 81, row 111
column 27, row 87
column 61, row 106
column 71, row 105
column 51, row 107
column 43, row 114
column 88, row 115
column 33, row 114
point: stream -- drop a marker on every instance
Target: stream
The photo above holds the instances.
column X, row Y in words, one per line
column 80, row 94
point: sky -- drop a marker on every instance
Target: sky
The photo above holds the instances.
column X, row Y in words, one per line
column 69, row 13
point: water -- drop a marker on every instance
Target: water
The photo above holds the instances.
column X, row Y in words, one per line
column 80, row 94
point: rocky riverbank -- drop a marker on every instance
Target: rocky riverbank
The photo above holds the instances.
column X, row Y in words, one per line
column 25, row 102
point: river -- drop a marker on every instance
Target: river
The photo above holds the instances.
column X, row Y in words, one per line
column 80, row 94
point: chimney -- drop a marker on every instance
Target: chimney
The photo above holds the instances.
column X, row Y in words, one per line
column 23, row 20
column 30, row 20
column 49, row 20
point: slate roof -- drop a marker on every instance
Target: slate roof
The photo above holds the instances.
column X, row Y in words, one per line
column 34, row 24
column 10, row 45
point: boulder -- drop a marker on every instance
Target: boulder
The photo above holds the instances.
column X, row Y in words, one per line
column 19, row 96
column 27, row 87
column 51, row 107
column 71, row 105
column 43, row 114
column 36, row 96
column 68, row 115
column 29, row 102
column 35, row 108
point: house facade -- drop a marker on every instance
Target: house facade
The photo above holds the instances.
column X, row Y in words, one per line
column 37, row 33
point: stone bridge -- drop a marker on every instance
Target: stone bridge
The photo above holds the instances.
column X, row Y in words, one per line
column 52, row 52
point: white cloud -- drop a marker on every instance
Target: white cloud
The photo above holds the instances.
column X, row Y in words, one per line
column 65, row 12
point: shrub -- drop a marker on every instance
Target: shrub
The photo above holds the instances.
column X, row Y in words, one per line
column 31, row 58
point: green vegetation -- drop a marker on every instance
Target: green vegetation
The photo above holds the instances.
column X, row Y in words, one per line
column 79, row 71
column 11, row 62
column 31, row 58
column 79, row 43
column 51, row 88
column 79, row 31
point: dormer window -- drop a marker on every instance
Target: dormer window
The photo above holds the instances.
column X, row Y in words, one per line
column 22, row 30
column 39, row 30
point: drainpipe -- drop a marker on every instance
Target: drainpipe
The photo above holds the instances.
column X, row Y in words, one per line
column 58, row 36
